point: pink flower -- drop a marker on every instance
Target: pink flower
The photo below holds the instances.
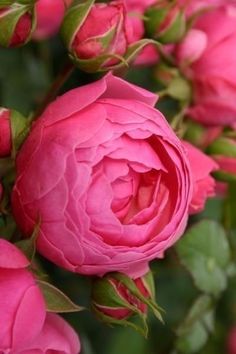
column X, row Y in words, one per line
column 56, row 336
column 119, row 190
column 204, row 185
column 193, row 6
column 5, row 133
column 213, row 66
column 231, row 341
column 50, row 14
column 22, row 309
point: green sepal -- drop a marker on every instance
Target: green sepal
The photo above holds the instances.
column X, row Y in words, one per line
column 143, row 329
column 9, row 20
column 20, row 127
column 56, row 300
column 28, row 246
column 224, row 176
column 131, row 286
column 175, row 32
column 223, row 146
column 73, row 20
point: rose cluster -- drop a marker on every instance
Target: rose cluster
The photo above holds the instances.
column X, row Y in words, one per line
column 102, row 178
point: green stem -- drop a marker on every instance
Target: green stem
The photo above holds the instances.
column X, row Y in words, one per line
column 56, row 86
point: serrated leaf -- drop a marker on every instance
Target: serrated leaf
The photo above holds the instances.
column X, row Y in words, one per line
column 204, row 251
column 194, row 331
column 56, row 300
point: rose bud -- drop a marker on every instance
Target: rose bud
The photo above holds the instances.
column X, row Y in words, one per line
column 17, row 22
column 96, row 35
column 165, row 22
column 116, row 297
column 204, row 184
column 50, row 15
column 104, row 206
column 13, row 130
column 200, row 135
column 212, row 66
column 223, row 151
column 5, row 133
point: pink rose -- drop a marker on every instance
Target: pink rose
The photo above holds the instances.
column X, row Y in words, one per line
column 193, row 6
column 56, row 336
column 50, row 14
column 204, row 185
column 22, row 310
column 119, row 190
column 213, row 66
column 5, row 132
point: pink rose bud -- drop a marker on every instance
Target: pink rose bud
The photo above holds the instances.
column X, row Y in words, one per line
column 50, row 15
column 166, row 22
column 104, row 206
column 204, row 184
column 223, row 151
column 200, row 135
column 212, row 73
column 116, row 297
column 231, row 341
column 5, row 133
column 22, row 309
column 17, row 22
column 98, row 38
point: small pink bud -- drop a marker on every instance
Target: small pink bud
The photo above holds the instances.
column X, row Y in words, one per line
column 116, row 298
column 5, row 133
column 17, row 21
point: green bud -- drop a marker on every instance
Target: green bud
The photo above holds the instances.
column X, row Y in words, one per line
column 165, row 22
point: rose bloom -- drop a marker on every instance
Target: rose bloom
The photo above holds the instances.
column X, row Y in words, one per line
column 106, row 178
column 49, row 14
column 56, row 336
column 5, row 132
column 22, row 308
column 207, row 59
column 25, row 326
column 204, row 185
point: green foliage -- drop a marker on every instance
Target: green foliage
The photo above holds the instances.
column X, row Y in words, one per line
column 204, row 251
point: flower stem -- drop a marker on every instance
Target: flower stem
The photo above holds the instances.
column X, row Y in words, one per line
column 55, row 87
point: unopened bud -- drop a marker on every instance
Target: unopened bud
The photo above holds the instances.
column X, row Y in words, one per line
column 17, row 21
column 116, row 298
column 223, row 151
column 165, row 22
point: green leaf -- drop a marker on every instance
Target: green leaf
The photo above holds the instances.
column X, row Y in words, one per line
column 56, row 300
column 194, row 331
column 204, row 251
column 28, row 246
